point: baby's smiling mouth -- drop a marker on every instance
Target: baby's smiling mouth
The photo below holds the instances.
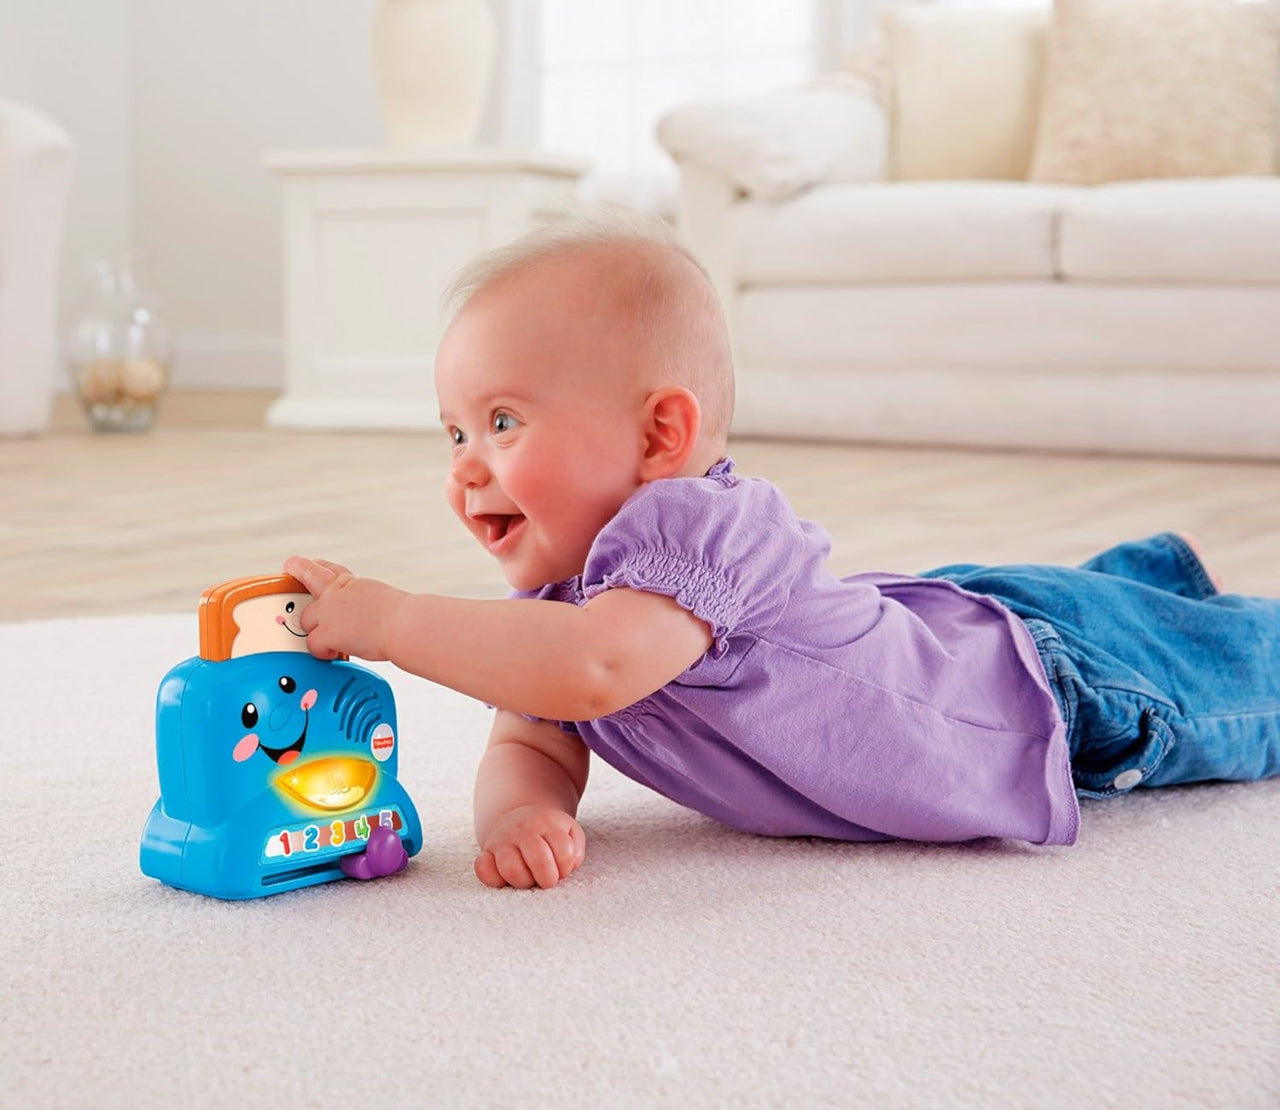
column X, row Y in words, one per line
column 498, row 527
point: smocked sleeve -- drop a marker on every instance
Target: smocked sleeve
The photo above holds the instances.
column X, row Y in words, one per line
column 725, row 551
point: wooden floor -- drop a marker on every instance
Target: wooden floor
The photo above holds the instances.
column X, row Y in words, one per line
column 129, row 524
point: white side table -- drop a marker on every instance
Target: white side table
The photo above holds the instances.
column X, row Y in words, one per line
column 371, row 239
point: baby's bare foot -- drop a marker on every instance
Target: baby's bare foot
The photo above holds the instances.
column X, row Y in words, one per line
column 1190, row 540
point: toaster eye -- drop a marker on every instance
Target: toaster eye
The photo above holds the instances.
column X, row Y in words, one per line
column 288, row 685
column 289, row 607
column 249, row 715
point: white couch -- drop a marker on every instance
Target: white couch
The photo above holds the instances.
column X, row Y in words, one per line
column 1141, row 316
column 36, row 158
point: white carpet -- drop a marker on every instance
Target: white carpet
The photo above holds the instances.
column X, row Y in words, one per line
column 684, row 965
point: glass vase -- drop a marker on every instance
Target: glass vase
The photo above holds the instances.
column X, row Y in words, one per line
column 119, row 349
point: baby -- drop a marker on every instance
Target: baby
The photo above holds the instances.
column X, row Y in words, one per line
column 680, row 621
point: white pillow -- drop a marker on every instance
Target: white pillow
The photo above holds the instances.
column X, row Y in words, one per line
column 965, row 90
column 775, row 145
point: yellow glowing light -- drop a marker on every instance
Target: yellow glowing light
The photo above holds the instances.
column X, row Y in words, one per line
column 335, row 783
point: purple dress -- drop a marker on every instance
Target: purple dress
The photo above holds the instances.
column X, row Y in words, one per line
column 867, row 708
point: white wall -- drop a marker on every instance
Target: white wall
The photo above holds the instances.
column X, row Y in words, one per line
column 847, row 23
column 214, row 86
column 71, row 59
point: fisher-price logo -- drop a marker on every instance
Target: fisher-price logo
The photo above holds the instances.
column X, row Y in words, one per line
column 382, row 743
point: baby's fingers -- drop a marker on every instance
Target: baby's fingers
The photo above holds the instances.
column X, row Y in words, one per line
column 529, row 863
column 541, row 860
column 513, row 868
column 486, row 868
column 312, row 573
column 568, row 847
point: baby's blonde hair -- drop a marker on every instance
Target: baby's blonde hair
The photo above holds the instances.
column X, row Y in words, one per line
column 679, row 317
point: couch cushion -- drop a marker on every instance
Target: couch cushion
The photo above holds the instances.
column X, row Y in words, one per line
column 1158, row 88
column 1076, row 328
column 905, row 231
column 1224, row 230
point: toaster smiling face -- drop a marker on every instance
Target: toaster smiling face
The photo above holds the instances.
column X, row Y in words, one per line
column 278, row 719
column 313, row 730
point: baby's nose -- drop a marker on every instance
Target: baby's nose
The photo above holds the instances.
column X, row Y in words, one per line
column 469, row 470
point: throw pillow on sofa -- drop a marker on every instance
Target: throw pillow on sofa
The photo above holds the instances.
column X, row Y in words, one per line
column 1158, row 88
column 965, row 90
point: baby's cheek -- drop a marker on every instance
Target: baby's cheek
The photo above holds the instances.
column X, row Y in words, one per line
column 457, row 499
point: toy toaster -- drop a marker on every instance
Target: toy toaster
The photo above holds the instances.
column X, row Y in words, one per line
column 277, row 770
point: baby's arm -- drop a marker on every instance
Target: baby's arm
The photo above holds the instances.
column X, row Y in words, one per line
column 544, row 658
column 527, row 790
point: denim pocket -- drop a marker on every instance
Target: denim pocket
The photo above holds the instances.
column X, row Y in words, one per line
column 1117, row 735
column 1105, row 766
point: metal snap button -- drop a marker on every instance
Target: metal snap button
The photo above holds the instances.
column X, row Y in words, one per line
column 1126, row 779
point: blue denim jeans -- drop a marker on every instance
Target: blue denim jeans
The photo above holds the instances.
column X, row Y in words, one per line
column 1161, row 679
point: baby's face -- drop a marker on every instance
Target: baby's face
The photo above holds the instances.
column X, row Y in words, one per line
column 546, row 425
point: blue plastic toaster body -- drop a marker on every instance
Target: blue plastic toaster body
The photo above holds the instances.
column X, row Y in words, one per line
column 272, row 767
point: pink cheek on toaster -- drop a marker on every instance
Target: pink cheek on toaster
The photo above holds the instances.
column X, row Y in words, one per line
column 309, row 699
column 247, row 746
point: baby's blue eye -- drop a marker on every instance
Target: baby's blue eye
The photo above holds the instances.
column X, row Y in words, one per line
column 503, row 422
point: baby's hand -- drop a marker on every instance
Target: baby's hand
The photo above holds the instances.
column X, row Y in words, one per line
column 531, row 846
column 348, row 613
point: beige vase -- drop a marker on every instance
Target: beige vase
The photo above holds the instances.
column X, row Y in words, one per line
column 432, row 61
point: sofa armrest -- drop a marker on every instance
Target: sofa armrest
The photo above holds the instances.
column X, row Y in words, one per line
column 36, row 159
column 773, row 146
column 35, row 155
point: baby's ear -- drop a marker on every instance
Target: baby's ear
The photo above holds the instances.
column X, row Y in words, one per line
column 672, row 420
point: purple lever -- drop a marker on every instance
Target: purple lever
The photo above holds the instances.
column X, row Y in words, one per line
column 385, row 855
